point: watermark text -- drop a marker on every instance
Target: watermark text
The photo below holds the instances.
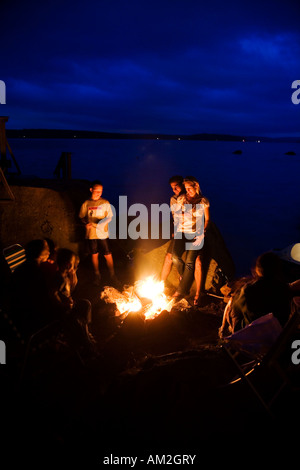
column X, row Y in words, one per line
column 296, row 353
column 296, row 95
column 136, row 221
column 2, row 92
column 152, row 459
column 2, row 352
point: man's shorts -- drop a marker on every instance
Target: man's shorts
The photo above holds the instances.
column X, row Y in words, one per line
column 97, row 245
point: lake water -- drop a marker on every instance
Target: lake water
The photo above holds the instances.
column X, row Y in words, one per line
column 255, row 196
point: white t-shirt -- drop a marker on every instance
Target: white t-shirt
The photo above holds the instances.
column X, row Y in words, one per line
column 94, row 212
column 189, row 218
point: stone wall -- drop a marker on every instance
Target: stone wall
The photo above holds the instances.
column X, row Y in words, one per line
column 43, row 212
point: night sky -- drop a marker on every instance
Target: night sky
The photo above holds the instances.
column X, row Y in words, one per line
column 168, row 66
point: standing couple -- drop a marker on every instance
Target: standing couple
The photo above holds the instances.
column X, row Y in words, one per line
column 190, row 210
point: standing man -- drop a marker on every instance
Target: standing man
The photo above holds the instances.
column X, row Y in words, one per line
column 95, row 213
column 176, row 183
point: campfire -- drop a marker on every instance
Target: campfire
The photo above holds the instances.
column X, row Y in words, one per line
column 146, row 297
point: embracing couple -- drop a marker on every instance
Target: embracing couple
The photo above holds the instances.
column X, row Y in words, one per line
column 190, row 211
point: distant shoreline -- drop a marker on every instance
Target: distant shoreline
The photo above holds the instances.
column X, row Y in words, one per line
column 73, row 134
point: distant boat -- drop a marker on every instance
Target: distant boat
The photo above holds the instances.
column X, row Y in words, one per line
column 290, row 153
column 237, row 152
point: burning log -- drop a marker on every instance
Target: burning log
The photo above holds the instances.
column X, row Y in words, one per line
column 146, row 298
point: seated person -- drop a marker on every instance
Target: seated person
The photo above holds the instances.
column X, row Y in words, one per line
column 28, row 301
column 266, row 292
column 49, row 267
column 61, row 287
column 295, row 290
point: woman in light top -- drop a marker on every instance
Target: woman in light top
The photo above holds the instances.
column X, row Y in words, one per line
column 191, row 217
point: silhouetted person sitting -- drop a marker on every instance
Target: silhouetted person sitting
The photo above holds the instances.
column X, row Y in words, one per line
column 266, row 293
column 28, row 295
column 75, row 313
column 49, row 267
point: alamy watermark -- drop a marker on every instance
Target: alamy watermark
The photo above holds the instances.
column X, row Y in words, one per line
column 296, row 95
column 2, row 92
column 296, row 353
column 138, row 227
column 2, row 352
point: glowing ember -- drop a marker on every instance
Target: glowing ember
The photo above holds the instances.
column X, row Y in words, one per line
column 146, row 296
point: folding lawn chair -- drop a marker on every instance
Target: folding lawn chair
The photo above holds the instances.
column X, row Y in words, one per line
column 261, row 354
column 14, row 255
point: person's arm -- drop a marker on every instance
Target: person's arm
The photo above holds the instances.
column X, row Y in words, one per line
column 72, row 275
column 295, row 285
column 200, row 236
column 61, row 303
column 65, row 304
column 83, row 216
column 177, row 212
column 295, row 290
column 206, row 217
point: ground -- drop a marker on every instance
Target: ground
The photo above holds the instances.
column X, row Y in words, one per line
column 156, row 387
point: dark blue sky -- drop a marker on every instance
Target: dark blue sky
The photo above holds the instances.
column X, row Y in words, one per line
column 171, row 66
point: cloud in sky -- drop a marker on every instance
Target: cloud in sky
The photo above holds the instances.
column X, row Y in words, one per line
column 171, row 66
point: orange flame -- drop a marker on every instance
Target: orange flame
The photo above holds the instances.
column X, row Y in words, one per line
column 146, row 295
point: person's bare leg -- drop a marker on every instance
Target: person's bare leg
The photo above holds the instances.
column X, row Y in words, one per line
column 198, row 278
column 110, row 264
column 167, row 266
column 95, row 262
